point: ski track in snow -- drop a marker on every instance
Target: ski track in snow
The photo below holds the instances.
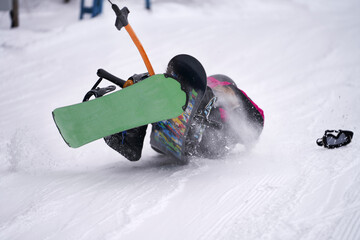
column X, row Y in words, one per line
column 298, row 60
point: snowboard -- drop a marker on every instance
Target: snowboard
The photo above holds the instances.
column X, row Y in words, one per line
column 154, row 99
column 169, row 136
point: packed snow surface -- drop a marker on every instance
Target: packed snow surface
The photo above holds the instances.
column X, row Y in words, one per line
column 298, row 60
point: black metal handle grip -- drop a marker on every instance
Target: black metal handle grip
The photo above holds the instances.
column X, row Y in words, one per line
column 108, row 76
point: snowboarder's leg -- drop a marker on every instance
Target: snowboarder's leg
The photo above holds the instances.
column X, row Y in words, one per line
column 222, row 84
column 244, row 118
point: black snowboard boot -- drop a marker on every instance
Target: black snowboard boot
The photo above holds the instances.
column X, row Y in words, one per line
column 128, row 143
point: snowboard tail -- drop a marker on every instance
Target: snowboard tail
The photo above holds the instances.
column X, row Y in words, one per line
column 154, row 99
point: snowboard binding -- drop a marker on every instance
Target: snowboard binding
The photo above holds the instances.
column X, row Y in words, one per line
column 102, row 74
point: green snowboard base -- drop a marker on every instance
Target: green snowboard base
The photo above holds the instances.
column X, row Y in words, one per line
column 154, row 99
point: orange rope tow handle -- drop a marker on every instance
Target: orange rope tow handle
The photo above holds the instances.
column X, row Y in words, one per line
column 141, row 49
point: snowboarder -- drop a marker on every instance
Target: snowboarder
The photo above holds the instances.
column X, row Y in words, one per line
column 217, row 115
column 229, row 117
column 204, row 116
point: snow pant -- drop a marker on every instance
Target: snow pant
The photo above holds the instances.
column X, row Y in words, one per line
column 241, row 120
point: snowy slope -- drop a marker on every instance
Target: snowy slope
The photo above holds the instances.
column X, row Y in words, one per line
column 298, row 60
